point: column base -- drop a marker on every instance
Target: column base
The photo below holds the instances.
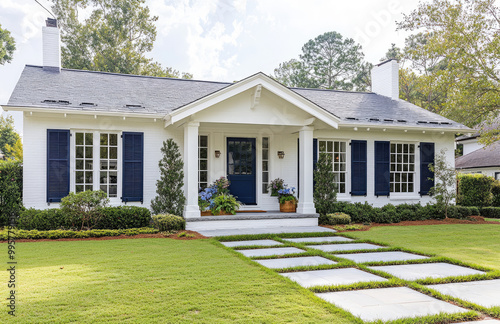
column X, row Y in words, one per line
column 306, row 208
column 191, row 211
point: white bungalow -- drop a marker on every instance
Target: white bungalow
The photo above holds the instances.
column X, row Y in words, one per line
column 93, row 130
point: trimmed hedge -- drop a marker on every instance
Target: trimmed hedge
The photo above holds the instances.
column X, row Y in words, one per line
column 335, row 219
column 57, row 234
column 120, row 217
column 365, row 213
column 474, row 190
column 495, row 191
column 490, row 212
column 169, row 222
column 11, row 190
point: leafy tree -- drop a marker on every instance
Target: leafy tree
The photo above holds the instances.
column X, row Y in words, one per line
column 8, row 136
column 170, row 196
column 7, row 46
column 114, row 38
column 329, row 61
column 15, row 152
column 392, row 53
column 445, row 179
column 325, row 188
column 464, row 34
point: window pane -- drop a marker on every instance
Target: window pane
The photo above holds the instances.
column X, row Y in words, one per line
column 104, row 164
column 113, row 152
column 79, row 177
column 79, row 164
column 322, row 146
column 113, row 165
column 203, row 165
column 79, row 189
column 203, row 141
column 88, row 176
column 104, row 152
column 342, row 167
column 342, row 188
column 89, row 152
column 103, row 178
column 88, row 164
column 264, row 188
column 265, row 166
column 265, row 177
column 79, row 139
column 104, row 139
column 113, row 139
column 104, row 188
column 87, row 188
column 203, row 153
column 412, row 148
column 113, row 177
column 410, row 187
column 329, row 146
column 79, row 152
column 265, row 142
column 336, row 146
column 203, row 176
column 89, row 139
column 342, row 146
column 265, row 154
column 113, row 190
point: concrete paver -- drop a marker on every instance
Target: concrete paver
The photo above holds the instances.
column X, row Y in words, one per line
column 295, row 262
column 380, row 256
column 388, row 304
column 426, row 270
column 319, row 239
column 345, row 247
column 270, row 251
column 251, row 242
column 485, row 293
column 345, row 276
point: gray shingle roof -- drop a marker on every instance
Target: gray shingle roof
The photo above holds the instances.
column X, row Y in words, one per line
column 481, row 158
column 112, row 92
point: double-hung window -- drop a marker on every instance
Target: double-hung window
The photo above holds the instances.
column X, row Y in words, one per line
column 402, row 167
column 337, row 151
column 96, row 162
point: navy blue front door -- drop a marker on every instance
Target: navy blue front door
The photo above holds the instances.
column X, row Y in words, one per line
column 241, row 169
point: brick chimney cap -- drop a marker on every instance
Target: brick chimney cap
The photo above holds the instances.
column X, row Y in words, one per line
column 51, row 22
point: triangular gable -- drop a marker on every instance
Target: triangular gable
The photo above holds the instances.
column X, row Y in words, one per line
column 249, row 83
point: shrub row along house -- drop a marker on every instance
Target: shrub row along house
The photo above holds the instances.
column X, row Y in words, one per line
column 92, row 130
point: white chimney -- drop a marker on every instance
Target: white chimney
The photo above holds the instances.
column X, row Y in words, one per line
column 51, row 46
column 385, row 79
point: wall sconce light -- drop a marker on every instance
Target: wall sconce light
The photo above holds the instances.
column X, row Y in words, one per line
column 281, row 154
column 217, row 154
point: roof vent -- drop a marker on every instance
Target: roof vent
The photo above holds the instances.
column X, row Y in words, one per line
column 374, row 119
column 388, row 120
column 88, row 104
column 401, row 121
column 445, row 123
column 351, row 118
column 56, row 102
column 134, row 106
column 434, row 123
column 421, row 122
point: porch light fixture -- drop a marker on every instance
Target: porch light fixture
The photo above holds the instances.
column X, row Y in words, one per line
column 217, row 154
column 281, row 154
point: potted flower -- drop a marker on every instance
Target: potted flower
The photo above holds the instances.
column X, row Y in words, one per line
column 216, row 200
column 275, row 186
column 288, row 201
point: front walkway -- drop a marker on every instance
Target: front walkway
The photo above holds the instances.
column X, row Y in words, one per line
column 332, row 276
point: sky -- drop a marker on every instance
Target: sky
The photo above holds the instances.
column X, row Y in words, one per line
column 224, row 40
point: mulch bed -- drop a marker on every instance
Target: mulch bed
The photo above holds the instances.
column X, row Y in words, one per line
column 121, row 237
column 448, row 221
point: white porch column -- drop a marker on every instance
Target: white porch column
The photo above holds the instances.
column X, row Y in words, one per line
column 191, row 169
column 306, row 200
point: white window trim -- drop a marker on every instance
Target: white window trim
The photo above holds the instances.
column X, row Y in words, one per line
column 96, row 161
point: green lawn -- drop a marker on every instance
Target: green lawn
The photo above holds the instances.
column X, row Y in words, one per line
column 493, row 219
column 479, row 244
column 154, row 280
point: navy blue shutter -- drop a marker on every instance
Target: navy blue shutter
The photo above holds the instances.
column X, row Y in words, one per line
column 57, row 164
column 426, row 158
column 133, row 166
column 382, row 168
column 358, row 168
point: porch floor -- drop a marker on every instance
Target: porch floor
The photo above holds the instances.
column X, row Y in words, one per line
column 251, row 216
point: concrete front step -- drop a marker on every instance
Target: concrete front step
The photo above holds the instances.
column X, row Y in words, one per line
column 251, row 220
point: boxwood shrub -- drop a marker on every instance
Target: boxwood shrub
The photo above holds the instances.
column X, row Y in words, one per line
column 495, row 191
column 335, row 219
column 168, row 222
column 490, row 212
column 474, row 190
column 120, row 217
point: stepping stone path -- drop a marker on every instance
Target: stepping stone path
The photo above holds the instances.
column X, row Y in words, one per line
column 426, row 270
column 295, row 262
column 319, row 239
column 250, row 243
column 380, row 256
column 388, row 304
column 345, row 247
column 271, row 251
column 383, row 304
column 485, row 293
column 330, row 277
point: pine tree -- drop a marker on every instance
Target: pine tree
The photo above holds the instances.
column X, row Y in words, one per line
column 170, row 196
column 325, row 188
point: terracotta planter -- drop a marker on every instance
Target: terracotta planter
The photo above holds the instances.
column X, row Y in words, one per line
column 288, row 207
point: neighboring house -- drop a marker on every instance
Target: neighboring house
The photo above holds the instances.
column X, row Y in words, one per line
column 478, row 158
column 93, row 130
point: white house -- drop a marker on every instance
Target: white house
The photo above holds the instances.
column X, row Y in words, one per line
column 94, row 130
column 478, row 158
